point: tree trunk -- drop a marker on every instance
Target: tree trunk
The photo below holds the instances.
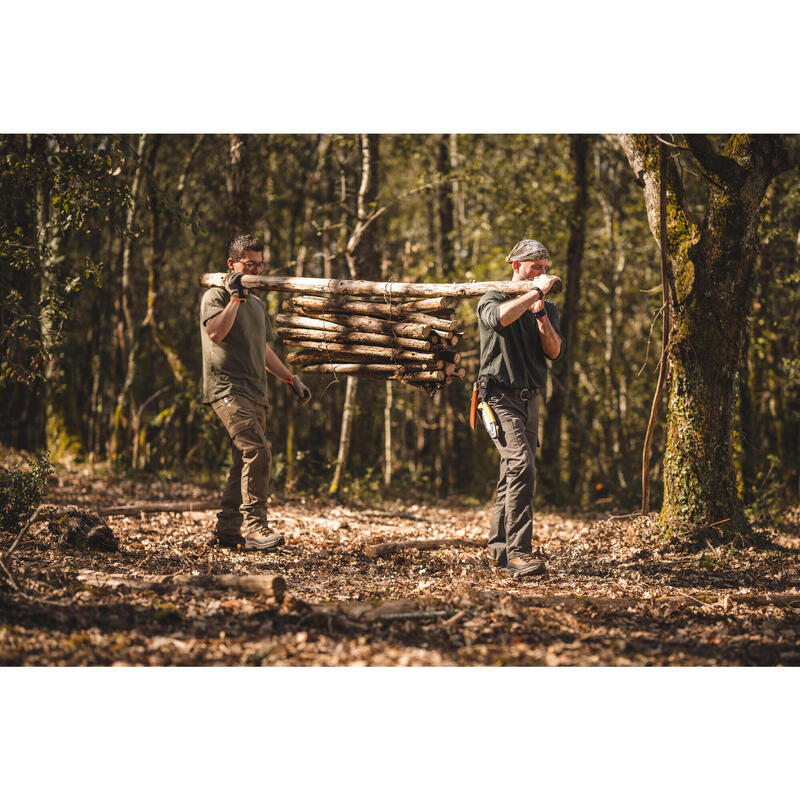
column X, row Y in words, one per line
column 361, row 256
column 240, row 184
column 345, row 434
column 128, row 338
column 387, row 436
column 562, row 372
column 714, row 267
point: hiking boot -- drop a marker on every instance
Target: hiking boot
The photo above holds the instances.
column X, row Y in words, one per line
column 495, row 563
column 263, row 540
column 524, row 565
column 229, row 540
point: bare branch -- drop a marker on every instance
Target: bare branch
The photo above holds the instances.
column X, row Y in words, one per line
column 717, row 169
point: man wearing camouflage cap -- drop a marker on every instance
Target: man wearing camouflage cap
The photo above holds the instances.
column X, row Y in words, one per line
column 517, row 333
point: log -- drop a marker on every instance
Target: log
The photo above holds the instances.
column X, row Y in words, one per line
column 176, row 506
column 333, row 305
column 289, row 335
column 427, row 304
column 266, row 585
column 449, row 337
column 297, row 321
column 438, row 323
column 359, row 370
column 336, row 352
column 451, row 356
column 308, row 358
column 436, row 376
column 388, row 291
column 313, row 306
column 345, row 322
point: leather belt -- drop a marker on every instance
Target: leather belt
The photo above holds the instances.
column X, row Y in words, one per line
column 518, row 394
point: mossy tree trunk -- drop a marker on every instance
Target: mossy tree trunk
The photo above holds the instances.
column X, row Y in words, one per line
column 714, row 264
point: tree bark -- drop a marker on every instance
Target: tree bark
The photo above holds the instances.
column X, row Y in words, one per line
column 714, row 264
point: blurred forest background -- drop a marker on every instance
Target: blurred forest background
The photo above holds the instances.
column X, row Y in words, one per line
column 104, row 239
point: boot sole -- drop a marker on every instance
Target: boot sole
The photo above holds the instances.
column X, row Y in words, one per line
column 524, row 573
column 262, row 548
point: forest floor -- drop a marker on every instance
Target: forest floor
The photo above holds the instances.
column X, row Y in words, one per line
column 617, row 592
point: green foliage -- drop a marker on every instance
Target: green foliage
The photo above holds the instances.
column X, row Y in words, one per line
column 57, row 194
column 21, row 491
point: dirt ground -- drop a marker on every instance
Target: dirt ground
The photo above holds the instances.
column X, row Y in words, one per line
column 616, row 592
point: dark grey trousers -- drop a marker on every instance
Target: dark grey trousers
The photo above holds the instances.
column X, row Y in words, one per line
column 512, row 521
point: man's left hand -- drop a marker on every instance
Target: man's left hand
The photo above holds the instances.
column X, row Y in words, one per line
column 300, row 389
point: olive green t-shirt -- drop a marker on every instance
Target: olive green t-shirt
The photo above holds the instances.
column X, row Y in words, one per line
column 237, row 365
column 513, row 355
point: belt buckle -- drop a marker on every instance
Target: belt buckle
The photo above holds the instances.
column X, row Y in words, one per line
column 524, row 394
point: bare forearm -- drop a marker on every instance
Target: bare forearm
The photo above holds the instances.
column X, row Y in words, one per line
column 276, row 366
column 551, row 341
column 219, row 327
column 513, row 309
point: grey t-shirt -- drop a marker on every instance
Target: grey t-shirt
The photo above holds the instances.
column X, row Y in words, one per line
column 513, row 355
column 237, row 364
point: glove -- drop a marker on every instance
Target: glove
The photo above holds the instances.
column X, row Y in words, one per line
column 300, row 389
column 233, row 284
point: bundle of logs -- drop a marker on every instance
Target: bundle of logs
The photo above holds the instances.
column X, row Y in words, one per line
column 405, row 332
column 413, row 342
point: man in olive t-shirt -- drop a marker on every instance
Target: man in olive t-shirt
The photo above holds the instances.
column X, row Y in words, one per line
column 517, row 333
column 235, row 331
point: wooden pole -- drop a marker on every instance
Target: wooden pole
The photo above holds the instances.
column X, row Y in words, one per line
column 318, row 307
column 427, row 304
column 293, row 337
column 389, row 291
column 367, row 370
column 342, row 322
column 339, row 351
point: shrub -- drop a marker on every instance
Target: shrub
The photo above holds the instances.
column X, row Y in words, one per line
column 21, row 491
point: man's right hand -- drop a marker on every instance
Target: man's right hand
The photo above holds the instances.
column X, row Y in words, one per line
column 547, row 283
column 233, row 284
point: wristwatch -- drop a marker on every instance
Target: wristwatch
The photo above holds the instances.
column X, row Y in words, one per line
column 539, row 314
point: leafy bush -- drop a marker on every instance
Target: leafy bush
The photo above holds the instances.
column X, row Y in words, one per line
column 21, row 491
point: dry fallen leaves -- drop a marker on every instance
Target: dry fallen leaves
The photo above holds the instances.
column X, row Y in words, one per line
column 616, row 592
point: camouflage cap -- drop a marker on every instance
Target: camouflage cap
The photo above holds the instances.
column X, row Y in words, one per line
column 527, row 250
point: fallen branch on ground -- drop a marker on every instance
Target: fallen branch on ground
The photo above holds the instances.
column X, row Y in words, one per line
column 267, row 585
column 176, row 507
